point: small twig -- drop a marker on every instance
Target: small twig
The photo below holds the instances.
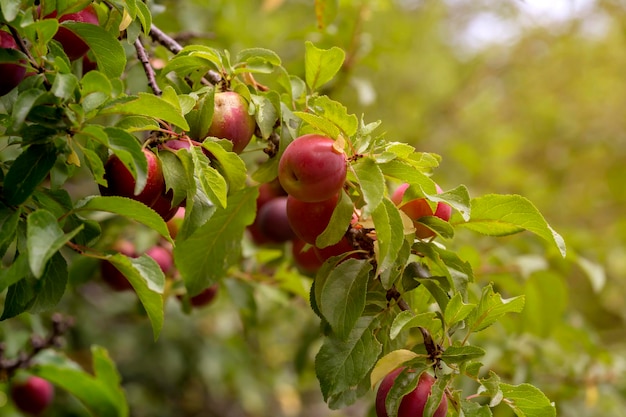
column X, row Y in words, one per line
column 60, row 326
column 433, row 349
column 145, row 61
column 23, row 48
column 174, row 47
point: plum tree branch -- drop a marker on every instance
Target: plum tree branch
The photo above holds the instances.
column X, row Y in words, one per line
column 60, row 326
column 147, row 67
column 170, row 43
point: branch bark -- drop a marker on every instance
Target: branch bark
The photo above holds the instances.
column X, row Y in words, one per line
column 147, row 67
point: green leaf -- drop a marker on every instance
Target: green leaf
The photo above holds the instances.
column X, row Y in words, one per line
column 23, row 105
column 458, row 354
column 471, row 409
column 229, row 164
column 321, row 65
column 126, row 207
column 148, row 281
column 44, row 238
column 101, row 393
column 204, row 257
column 10, row 9
column 265, row 114
column 108, row 51
column 371, row 183
column 18, row 269
column 320, row 123
column 342, row 298
column 389, row 235
column 389, row 362
column 408, row 320
column 405, row 382
column 64, row 85
column 28, row 171
column 501, row 215
column 8, row 225
column 257, row 54
column 491, row 308
column 209, row 179
column 19, row 298
column 342, row 364
column 49, row 289
column 336, row 113
column 339, row 222
column 458, row 198
column 456, row 310
column 201, row 116
column 146, row 104
column 527, row 401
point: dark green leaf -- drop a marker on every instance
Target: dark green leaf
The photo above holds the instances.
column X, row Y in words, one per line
column 342, row 298
column 51, row 286
column 342, row 364
column 28, row 171
column 19, row 298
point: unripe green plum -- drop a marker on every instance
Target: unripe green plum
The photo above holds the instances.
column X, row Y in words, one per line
column 231, row 120
column 419, row 208
column 311, row 169
column 121, row 182
column 11, row 74
column 309, row 220
column 412, row 404
column 32, row 395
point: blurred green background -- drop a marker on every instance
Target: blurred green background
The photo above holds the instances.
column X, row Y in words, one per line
column 515, row 102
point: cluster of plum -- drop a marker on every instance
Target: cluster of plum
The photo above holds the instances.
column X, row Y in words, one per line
column 231, row 121
column 298, row 207
column 75, row 48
